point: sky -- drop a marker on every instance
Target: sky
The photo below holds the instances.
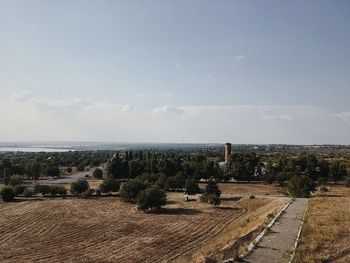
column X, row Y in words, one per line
column 186, row 71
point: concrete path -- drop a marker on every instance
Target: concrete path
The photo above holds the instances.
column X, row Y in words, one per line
column 278, row 244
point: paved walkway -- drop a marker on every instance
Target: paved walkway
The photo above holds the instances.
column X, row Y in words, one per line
column 278, row 244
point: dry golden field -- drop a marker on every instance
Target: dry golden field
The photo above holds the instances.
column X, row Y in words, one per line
column 109, row 230
column 326, row 232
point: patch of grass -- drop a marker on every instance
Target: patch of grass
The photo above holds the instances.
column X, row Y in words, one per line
column 323, row 237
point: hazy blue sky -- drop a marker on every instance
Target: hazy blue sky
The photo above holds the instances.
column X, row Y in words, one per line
column 175, row 71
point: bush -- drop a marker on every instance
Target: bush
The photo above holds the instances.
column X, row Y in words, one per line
column 80, row 167
column 69, row 169
column 88, row 193
column 43, row 189
column 151, row 198
column 347, row 183
column 301, row 186
column 252, row 197
column 27, row 193
column 7, row 194
column 53, row 171
column 98, row 173
column 15, row 180
column 98, row 192
column 58, row 190
column 79, row 187
column 192, row 186
column 19, row 189
column 176, row 182
column 37, row 188
column 324, row 188
column 109, row 185
column 131, row 189
column 211, row 193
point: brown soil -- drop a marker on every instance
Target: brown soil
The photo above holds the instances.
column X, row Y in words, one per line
column 106, row 230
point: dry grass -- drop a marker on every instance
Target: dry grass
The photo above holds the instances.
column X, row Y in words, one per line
column 254, row 219
column 246, row 190
column 109, row 230
column 106, row 230
column 326, row 232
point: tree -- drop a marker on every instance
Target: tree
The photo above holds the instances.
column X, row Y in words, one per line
column 338, row 171
column 118, row 168
column 151, row 198
column 7, row 176
column 324, row 170
column 7, row 194
column 109, row 185
column 270, row 173
column 58, row 190
column 79, row 187
column 15, row 180
column 53, row 171
column 43, row 189
column 33, row 169
column 98, row 173
column 192, row 186
column 211, row 193
column 19, row 189
column 301, row 186
column 131, row 189
column 176, row 182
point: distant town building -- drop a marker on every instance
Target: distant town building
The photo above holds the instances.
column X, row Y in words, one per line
column 228, row 149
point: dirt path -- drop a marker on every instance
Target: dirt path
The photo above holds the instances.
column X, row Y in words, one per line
column 277, row 245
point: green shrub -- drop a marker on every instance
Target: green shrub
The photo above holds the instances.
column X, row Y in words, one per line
column 175, row 183
column 15, row 180
column 45, row 189
column 151, row 198
column 109, row 185
column 301, row 186
column 98, row 173
column 131, row 189
column 192, row 186
column 19, row 189
column 88, row 193
column 37, row 188
column 27, row 193
column 53, row 171
column 211, row 193
column 347, row 183
column 58, row 190
column 7, row 194
column 79, row 187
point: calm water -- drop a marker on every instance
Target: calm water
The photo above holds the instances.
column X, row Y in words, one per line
column 32, row 149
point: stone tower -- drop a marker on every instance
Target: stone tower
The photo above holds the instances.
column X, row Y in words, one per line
column 227, row 152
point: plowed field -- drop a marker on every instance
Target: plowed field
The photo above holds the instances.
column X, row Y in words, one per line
column 106, row 230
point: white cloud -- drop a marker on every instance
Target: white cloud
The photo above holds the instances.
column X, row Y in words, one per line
column 168, row 94
column 345, row 116
column 140, row 94
column 239, row 57
column 29, row 117
column 166, row 110
column 65, row 105
column 277, row 118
